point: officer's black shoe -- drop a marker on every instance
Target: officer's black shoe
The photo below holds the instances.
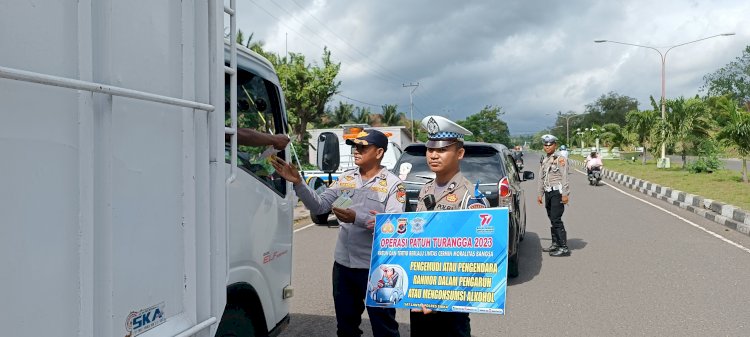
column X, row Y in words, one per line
column 551, row 248
column 560, row 251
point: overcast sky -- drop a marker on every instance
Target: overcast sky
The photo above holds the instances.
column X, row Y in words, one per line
column 532, row 58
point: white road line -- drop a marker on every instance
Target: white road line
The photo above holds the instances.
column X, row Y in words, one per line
column 741, row 247
column 308, row 226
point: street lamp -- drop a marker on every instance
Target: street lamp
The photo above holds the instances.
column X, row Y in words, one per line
column 567, row 117
column 582, row 134
column 567, row 125
column 664, row 161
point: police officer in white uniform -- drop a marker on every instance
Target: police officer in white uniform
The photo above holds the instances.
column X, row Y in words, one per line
column 448, row 191
column 553, row 191
column 373, row 189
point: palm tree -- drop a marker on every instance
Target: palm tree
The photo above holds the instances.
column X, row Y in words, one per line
column 362, row 115
column 688, row 122
column 641, row 123
column 256, row 46
column 342, row 114
column 612, row 135
column 736, row 133
column 391, row 116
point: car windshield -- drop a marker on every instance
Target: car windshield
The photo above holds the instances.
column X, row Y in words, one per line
column 481, row 163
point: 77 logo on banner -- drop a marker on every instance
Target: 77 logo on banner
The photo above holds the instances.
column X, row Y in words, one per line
column 486, row 219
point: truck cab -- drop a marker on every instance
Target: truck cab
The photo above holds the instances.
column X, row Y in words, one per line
column 259, row 208
column 124, row 212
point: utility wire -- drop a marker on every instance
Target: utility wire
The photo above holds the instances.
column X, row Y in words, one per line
column 419, row 112
column 312, row 44
column 394, row 75
column 326, row 42
column 356, row 100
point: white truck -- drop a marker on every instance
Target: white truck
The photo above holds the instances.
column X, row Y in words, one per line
column 122, row 210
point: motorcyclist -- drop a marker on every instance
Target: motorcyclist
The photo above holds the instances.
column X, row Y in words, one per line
column 593, row 161
column 564, row 151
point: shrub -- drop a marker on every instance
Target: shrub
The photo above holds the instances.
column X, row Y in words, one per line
column 708, row 158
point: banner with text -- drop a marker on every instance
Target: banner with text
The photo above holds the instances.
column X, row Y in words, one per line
column 448, row 260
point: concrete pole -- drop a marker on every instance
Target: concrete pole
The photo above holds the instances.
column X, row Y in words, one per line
column 411, row 106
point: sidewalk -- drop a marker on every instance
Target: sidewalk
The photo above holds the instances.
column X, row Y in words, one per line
column 301, row 213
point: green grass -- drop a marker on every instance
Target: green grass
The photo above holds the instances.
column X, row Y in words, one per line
column 723, row 185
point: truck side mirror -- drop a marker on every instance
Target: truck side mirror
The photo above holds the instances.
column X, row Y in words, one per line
column 328, row 152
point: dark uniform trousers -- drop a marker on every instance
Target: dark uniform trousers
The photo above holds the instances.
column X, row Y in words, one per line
column 440, row 324
column 349, row 291
column 555, row 208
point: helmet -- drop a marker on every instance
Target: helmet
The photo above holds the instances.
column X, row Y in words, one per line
column 563, row 147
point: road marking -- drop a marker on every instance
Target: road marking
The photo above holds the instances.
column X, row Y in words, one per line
column 308, row 226
column 741, row 247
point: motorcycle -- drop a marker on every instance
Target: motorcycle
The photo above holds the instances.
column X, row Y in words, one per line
column 595, row 175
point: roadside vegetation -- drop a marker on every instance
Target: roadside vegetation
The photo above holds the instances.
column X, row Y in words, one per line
column 309, row 87
column 712, row 124
column 722, row 185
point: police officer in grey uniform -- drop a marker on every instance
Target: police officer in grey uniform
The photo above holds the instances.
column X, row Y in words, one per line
column 448, row 191
column 553, row 190
column 372, row 189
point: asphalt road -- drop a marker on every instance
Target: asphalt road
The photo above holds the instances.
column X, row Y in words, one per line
column 639, row 266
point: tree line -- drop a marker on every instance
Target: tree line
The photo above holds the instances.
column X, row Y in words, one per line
column 716, row 123
column 309, row 88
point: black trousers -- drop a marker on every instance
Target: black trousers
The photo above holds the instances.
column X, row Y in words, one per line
column 349, row 291
column 440, row 324
column 555, row 208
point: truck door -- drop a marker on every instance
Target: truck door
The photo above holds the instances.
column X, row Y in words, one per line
column 259, row 202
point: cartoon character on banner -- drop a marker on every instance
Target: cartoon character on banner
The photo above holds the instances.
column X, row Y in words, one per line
column 388, row 284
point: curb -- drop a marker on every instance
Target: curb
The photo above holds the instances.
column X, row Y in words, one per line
column 730, row 216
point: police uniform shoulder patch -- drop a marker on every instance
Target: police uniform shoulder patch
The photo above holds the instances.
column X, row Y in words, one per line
column 401, row 193
column 561, row 161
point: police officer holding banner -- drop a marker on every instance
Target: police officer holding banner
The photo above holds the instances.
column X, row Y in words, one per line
column 554, row 190
column 449, row 190
column 370, row 188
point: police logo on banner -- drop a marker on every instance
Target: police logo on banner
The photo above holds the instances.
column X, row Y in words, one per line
column 417, row 225
column 402, row 222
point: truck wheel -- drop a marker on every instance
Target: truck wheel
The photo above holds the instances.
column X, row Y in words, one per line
column 235, row 323
column 320, row 219
column 513, row 265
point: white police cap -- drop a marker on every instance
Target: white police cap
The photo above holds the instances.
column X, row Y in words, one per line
column 549, row 139
column 442, row 132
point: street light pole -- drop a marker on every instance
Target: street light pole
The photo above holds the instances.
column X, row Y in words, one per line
column 411, row 106
column 567, row 126
column 567, row 117
column 663, row 161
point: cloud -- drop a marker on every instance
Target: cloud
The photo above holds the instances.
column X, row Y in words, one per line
column 529, row 57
